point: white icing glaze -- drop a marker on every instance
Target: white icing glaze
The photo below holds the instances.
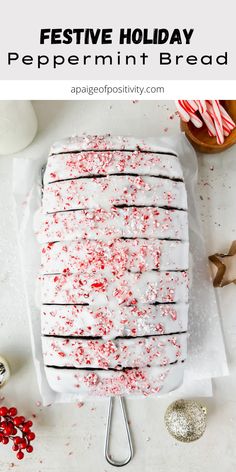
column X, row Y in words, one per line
column 115, row 223
column 71, row 166
column 108, row 191
column 147, row 381
column 120, row 255
column 107, row 142
column 114, row 277
column 129, row 289
column 114, row 354
column 137, row 320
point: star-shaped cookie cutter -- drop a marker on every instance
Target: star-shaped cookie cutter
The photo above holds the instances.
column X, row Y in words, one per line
column 221, row 278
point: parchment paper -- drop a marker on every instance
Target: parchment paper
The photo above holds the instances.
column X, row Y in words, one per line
column 206, row 352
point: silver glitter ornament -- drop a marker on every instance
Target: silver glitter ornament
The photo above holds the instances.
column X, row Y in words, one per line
column 4, row 371
column 186, row 420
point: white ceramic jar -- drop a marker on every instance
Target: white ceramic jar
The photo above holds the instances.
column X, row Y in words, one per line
column 18, row 125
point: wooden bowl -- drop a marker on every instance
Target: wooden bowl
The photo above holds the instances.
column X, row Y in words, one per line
column 200, row 138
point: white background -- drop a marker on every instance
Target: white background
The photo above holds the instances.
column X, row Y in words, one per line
column 20, row 24
column 71, row 438
column 213, row 22
column 64, row 89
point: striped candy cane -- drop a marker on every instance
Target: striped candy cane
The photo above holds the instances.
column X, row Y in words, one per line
column 214, row 112
column 226, row 118
column 218, row 122
column 181, row 109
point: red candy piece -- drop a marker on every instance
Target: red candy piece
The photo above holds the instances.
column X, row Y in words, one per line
column 97, row 285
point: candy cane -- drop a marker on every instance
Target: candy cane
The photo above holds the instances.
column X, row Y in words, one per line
column 226, row 127
column 190, row 107
column 214, row 112
column 195, row 120
column 218, row 122
column 209, row 123
column 226, row 132
column 201, row 106
column 183, row 113
column 226, row 117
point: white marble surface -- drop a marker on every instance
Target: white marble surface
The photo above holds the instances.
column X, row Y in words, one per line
column 70, row 437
